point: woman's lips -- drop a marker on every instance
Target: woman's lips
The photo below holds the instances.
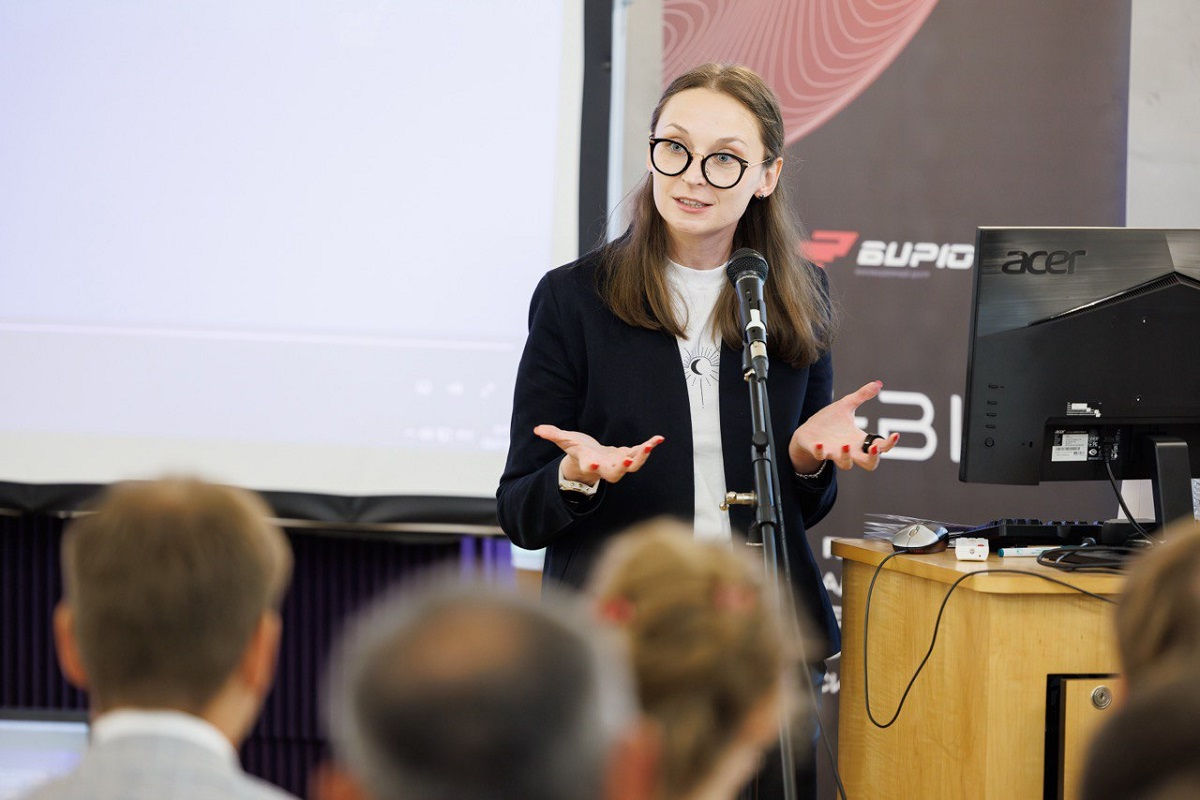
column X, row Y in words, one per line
column 690, row 205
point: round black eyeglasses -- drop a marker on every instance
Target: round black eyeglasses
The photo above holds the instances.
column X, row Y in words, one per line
column 721, row 170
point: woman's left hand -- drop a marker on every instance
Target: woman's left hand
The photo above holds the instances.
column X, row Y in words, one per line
column 831, row 435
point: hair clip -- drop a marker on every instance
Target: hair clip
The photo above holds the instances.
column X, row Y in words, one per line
column 617, row 610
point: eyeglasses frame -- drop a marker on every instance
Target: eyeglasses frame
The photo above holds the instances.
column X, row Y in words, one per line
column 654, row 140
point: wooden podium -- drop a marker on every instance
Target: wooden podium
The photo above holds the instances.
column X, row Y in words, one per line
column 974, row 724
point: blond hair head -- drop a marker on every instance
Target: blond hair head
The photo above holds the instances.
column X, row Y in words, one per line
column 707, row 649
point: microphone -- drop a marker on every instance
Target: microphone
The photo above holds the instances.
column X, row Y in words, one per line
column 747, row 272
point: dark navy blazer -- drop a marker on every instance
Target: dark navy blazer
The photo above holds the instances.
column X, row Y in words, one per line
column 585, row 370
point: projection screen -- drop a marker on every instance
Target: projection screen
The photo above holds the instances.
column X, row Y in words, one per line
column 286, row 245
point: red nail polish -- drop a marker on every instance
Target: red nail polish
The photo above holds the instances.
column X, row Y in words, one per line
column 629, row 462
column 593, row 466
column 819, row 447
column 649, row 448
column 845, row 448
column 874, row 449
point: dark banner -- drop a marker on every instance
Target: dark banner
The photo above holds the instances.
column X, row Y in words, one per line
column 994, row 114
column 910, row 125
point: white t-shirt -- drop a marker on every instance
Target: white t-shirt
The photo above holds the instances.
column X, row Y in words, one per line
column 695, row 296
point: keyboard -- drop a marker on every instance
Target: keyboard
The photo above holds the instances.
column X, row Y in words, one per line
column 1028, row 532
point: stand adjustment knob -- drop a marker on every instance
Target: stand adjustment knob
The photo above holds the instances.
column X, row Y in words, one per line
column 739, row 499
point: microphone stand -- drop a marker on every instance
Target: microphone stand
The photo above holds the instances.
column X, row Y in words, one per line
column 767, row 530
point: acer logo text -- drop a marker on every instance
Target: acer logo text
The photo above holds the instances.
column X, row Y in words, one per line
column 1042, row 262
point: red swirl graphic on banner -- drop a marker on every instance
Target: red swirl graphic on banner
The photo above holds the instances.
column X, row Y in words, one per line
column 818, row 55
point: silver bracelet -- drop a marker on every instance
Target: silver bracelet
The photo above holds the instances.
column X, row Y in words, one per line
column 817, row 474
column 578, row 487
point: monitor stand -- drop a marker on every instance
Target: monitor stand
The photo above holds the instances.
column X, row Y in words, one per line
column 1171, row 480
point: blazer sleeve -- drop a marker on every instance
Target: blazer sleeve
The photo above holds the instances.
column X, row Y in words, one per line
column 817, row 495
column 549, row 386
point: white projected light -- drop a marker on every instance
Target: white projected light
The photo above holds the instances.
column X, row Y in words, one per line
column 284, row 245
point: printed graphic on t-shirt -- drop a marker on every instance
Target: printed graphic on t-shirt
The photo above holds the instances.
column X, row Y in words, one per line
column 702, row 367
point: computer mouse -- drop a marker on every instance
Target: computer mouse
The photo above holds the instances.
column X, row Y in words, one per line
column 920, row 538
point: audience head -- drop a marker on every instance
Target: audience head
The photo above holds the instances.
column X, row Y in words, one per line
column 468, row 692
column 707, row 650
column 1158, row 614
column 1150, row 747
column 171, row 593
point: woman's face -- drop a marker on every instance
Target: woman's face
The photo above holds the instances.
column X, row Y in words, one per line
column 699, row 215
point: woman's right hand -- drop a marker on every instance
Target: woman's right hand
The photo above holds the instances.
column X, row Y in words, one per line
column 587, row 461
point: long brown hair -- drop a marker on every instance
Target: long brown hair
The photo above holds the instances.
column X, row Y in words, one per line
column 634, row 283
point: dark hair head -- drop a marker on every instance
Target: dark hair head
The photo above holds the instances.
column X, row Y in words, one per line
column 470, row 693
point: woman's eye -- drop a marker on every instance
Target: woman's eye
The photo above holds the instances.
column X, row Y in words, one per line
column 725, row 159
column 676, row 147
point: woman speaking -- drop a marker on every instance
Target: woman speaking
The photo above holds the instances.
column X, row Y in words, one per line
column 629, row 400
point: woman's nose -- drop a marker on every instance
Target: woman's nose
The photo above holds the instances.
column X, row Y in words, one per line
column 694, row 174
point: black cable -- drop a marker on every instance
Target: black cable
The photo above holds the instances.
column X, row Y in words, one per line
column 1104, row 559
column 936, row 627
column 837, row 776
column 792, row 621
column 812, row 690
column 1112, row 479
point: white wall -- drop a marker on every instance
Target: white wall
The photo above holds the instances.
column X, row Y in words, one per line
column 1163, row 188
column 1164, row 115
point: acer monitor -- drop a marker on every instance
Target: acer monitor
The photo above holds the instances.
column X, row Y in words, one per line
column 1084, row 358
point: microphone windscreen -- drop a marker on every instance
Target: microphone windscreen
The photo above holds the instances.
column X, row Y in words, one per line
column 746, row 260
